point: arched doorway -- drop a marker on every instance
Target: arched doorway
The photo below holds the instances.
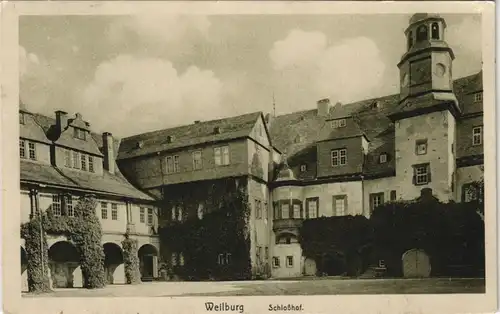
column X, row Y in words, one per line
column 416, row 264
column 113, row 263
column 64, row 263
column 24, row 272
column 310, row 267
column 148, row 259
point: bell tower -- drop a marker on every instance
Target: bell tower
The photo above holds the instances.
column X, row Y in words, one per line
column 425, row 119
column 426, row 67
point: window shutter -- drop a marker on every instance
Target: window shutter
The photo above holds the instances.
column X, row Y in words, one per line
column 382, row 198
column 414, row 178
column 428, row 173
column 317, row 207
column 307, row 208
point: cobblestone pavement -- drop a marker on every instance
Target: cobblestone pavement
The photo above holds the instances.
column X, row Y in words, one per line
column 279, row 287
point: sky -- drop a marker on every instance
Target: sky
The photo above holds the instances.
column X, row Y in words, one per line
column 133, row 74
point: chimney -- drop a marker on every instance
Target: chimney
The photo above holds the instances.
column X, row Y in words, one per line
column 61, row 120
column 108, row 150
column 323, row 107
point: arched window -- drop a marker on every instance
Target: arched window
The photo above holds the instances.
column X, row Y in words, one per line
column 410, row 39
column 435, row 30
column 422, row 33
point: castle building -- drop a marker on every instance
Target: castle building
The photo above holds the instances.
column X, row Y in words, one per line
column 62, row 160
column 338, row 160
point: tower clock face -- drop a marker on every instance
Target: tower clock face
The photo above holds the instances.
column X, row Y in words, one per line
column 405, row 80
column 440, row 69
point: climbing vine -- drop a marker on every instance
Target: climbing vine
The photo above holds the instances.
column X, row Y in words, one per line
column 131, row 260
column 38, row 267
column 339, row 244
column 218, row 245
column 83, row 229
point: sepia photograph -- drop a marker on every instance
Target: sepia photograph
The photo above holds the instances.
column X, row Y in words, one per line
column 214, row 156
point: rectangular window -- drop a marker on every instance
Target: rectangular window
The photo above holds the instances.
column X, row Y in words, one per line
column 339, row 205
column 142, row 215
column 177, row 168
column 224, row 259
column 421, row 147
column 221, row 155
column 376, row 199
column 421, row 174
column 285, row 211
column 276, row 262
column 339, row 157
column 67, row 158
column 150, row 216
column 393, row 195
column 303, row 168
column 296, row 211
column 84, row 162
column 32, row 150
column 79, row 133
column 104, row 210
column 170, row 164
column 289, row 261
column 56, row 205
column 76, row 160
column 477, row 135
column 114, row 211
column 312, row 208
column 340, row 123
column 266, row 253
column 69, row 206
column 478, row 97
column 91, row 163
column 383, row 158
column 258, row 209
column 264, row 211
column 22, row 149
column 197, row 162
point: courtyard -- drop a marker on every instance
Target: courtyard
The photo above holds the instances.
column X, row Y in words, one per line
column 316, row 286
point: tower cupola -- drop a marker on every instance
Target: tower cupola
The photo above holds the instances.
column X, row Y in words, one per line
column 426, row 79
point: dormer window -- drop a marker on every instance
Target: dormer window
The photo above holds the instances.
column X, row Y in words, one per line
column 79, row 133
column 478, row 97
column 217, row 130
column 383, row 158
column 303, row 168
column 435, row 30
column 170, row 138
column 21, row 118
column 422, row 33
column 340, row 123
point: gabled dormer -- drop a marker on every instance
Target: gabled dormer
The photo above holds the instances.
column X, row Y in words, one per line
column 33, row 142
column 342, row 145
column 74, row 147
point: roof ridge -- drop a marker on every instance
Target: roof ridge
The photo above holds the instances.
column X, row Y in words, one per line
column 187, row 125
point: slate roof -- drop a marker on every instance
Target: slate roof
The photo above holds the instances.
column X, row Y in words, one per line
column 372, row 117
column 115, row 184
column 188, row 135
column 31, row 129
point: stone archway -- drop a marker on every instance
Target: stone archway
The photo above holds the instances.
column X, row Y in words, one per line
column 113, row 263
column 24, row 272
column 64, row 264
column 148, row 262
column 416, row 264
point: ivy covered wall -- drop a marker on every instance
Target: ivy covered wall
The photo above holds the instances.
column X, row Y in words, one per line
column 216, row 246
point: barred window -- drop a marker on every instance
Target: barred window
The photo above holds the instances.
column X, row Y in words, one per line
column 91, row 164
column 56, row 205
column 22, row 149
column 104, row 210
column 32, row 150
column 114, row 211
column 142, row 215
